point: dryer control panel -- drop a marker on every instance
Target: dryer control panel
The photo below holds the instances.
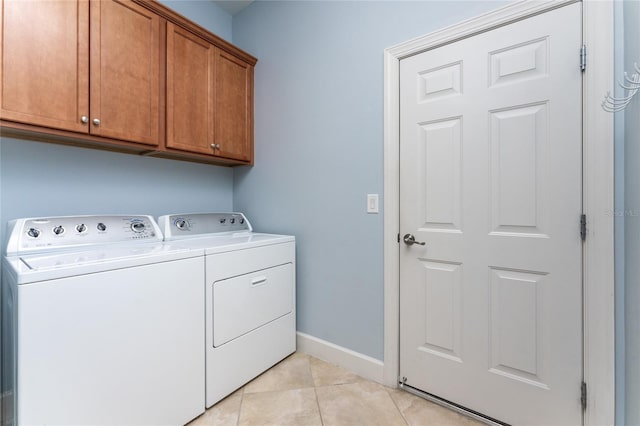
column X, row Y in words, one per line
column 176, row 226
column 35, row 234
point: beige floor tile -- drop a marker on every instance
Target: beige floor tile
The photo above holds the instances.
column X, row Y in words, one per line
column 293, row 372
column 420, row 412
column 363, row 403
column 324, row 373
column 224, row 413
column 296, row 407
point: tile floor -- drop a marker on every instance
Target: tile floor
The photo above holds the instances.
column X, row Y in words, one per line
column 303, row 390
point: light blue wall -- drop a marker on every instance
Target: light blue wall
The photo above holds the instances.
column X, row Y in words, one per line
column 40, row 179
column 632, row 219
column 206, row 14
column 319, row 147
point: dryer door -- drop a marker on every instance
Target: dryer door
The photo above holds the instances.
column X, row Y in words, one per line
column 246, row 302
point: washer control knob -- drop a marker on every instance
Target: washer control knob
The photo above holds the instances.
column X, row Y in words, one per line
column 223, row 220
column 137, row 227
column 81, row 228
column 233, row 220
column 101, row 227
column 33, row 232
column 241, row 221
column 58, row 230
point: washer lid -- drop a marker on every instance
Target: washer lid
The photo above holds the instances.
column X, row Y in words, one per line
column 62, row 264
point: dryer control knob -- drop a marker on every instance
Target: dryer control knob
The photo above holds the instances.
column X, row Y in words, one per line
column 33, row 232
column 182, row 224
column 102, row 227
column 81, row 228
column 58, row 230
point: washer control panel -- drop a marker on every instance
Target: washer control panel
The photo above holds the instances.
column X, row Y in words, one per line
column 176, row 226
column 68, row 231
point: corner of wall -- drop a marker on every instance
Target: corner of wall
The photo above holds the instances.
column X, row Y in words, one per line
column 362, row 365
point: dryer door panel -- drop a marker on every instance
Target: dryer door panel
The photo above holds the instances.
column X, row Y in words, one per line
column 246, row 302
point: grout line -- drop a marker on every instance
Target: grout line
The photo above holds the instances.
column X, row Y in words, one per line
column 281, row 390
column 315, row 386
column 318, row 404
column 396, row 405
column 240, row 407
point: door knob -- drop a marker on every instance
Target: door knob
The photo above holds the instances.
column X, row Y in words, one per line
column 84, row 119
column 411, row 240
column 96, row 121
column 215, row 145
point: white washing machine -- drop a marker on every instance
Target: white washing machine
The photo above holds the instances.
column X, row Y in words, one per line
column 102, row 323
column 249, row 296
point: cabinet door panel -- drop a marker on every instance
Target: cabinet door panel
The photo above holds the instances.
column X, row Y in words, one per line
column 234, row 107
column 190, row 77
column 125, row 71
column 44, row 68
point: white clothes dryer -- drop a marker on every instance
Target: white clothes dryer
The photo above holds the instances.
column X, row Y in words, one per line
column 102, row 323
column 249, row 296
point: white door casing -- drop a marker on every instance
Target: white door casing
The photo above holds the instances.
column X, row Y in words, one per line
column 490, row 172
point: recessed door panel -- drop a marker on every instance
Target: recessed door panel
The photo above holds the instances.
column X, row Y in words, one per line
column 515, row 335
column 440, row 156
column 442, row 309
column 519, row 185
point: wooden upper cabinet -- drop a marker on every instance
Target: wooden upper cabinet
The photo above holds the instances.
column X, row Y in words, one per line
column 129, row 75
column 53, row 77
column 209, row 98
column 125, row 71
column 190, row 91
column 234, row 108
column 44, row 69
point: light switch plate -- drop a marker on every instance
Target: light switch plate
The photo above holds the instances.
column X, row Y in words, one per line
column 372, row 203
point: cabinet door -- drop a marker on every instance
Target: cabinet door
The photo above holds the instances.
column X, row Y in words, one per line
column 234, row 108
column 44, row 69
column 190, row 91
column 125, row 71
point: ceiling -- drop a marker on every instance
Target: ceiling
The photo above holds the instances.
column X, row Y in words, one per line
column 233, row 6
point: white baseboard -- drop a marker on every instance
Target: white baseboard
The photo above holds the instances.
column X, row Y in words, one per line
column 362, row 365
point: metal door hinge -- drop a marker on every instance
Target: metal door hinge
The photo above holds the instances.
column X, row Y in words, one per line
column 402, row 381
column 398, row 238
column 583, row 227
column 583, row 57
column 583, row 395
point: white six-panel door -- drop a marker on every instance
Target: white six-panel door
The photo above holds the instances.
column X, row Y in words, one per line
column 491, row 181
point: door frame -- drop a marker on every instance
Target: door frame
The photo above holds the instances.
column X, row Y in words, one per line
column 598, row 186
